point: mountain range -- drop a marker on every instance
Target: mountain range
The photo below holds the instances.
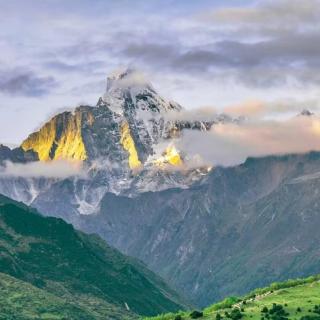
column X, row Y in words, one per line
column 241, row 228
column 210, row 232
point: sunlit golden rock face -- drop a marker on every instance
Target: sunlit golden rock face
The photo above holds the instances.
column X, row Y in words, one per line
column 41, row 141
column 60, row 138
column 170, row 156
column 128, row 144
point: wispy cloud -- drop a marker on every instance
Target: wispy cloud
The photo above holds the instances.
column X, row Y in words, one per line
column 25, row 83
column 230, row 144
column 57, row 169
column 260, row 109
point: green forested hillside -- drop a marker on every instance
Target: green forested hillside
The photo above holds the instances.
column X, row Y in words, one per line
column 79, row 271
column 294, row 299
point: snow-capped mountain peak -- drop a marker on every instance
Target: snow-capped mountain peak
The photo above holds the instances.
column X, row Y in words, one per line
column 128, row 89
column 125, row 143
column 125, row 79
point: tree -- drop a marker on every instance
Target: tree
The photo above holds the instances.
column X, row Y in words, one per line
column 236, row 314
column 196, row 314
column 218, row 316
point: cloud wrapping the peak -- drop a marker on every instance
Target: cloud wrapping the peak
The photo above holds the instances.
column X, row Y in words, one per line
column 126, row 78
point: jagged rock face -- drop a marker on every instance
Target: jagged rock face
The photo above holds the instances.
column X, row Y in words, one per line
column 16, row 155
column 60, row 138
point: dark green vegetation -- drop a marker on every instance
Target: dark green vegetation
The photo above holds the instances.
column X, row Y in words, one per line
column 294, row 299
column 60, row 273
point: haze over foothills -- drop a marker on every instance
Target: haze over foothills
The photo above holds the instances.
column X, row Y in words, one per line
column 252, row 58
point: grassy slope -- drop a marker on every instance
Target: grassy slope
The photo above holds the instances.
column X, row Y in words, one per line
column 51, row 255
column 304, row 296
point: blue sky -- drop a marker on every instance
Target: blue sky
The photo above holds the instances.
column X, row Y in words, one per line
column 57, row 54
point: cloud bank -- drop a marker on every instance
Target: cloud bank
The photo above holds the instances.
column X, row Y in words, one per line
column 230, row 144
column 261, row 109
column 58, row 169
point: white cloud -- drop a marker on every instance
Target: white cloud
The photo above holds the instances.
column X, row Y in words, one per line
column 260, row 109
column 132, row 78
column 199, row 114
column 230, row 144
column 58, row 169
